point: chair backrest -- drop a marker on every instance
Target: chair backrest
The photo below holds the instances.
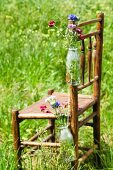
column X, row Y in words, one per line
column 91, row 63
column 91, row 55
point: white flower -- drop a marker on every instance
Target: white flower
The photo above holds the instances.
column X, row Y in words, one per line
column 51, row 99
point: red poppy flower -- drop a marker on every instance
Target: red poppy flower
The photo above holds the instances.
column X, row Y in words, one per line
column 78, row 30
column 81, row 37
column 51, row 23
column 43, row 107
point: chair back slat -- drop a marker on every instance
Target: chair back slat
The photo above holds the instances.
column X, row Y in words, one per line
column 94, row 55
column 82, row 61
column 91, row 34
column 88, row 83
column 90, row 22
column 89, row 58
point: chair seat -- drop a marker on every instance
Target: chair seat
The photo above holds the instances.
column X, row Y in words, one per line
column 34, row 111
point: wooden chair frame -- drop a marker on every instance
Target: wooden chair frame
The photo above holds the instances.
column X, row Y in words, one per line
column 75, row 124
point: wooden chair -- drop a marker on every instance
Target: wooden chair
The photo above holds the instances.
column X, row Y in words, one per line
column 91, row 63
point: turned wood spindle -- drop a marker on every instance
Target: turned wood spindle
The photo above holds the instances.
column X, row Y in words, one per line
column 82, row 61
column 89, row 58
column 94, row 55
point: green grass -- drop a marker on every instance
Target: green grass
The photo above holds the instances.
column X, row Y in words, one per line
column 32, row 61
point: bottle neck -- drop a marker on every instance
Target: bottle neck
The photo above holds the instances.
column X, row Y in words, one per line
column 73, row 48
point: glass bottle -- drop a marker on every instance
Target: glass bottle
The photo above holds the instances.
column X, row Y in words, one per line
column 73, row 67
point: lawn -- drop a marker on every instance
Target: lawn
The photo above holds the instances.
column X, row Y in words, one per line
column 32, row 61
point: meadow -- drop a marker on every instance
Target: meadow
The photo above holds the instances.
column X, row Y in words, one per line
column 32, row 61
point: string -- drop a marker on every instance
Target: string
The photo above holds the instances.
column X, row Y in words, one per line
column 68, row 110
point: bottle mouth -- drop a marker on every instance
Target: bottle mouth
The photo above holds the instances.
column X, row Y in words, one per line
column 73, row 48
column 63, row 127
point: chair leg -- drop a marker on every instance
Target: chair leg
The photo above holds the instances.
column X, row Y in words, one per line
column 76, row 152
column 74, row 121
column 52, row 129
column 16, row 136
column 75, row 162
column 96, row 130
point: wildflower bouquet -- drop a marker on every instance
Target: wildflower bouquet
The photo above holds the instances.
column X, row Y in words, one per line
column 65, row 133
column 54, row 104
column 73, row 35
column 59, row 107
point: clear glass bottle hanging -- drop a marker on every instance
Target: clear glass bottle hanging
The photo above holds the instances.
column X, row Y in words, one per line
column 73, row 66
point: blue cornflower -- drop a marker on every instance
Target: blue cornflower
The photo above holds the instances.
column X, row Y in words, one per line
column 73, row 17
column 55, row 105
